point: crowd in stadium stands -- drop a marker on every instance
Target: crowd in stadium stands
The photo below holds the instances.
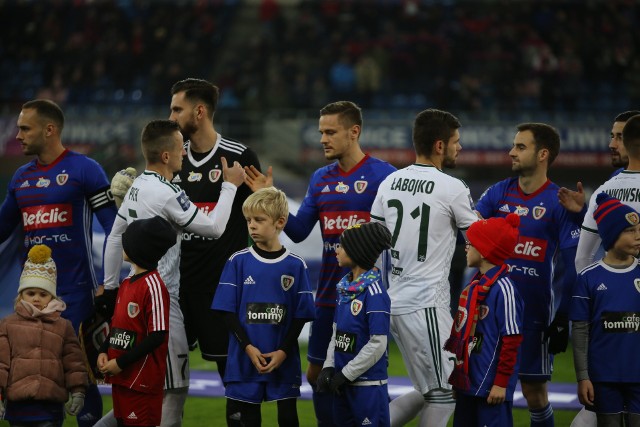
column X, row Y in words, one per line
column 467, row 55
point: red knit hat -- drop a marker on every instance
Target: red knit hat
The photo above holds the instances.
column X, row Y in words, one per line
column 495, row 238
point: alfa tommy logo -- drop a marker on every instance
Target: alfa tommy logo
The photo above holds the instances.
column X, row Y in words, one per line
column 345, row 342
column 360, row 186
column 342, row 188
column 265, row 313
column 621, row 322
column 286, row 282
column 133, row 309
column 334, row 223
column 194, row 176
column 356, row 307
column 47, row 216
column 214, row 175
column 62, row 178
column 531, row 249
column 122, row 339
column 43, row 182
column 538, row 212
column 522, row 210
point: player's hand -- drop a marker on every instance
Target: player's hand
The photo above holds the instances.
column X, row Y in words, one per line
column 274, row 359
column 496, row 395
column 75, row 404
column 573, row 201
column 105, row 303
column 256, row 179
column 585, row 392
column 255, row 355
column 558, row 334
column 111, row 367
column 233, row 174
column 337, row 382
column 324, row 379
column 121, row 182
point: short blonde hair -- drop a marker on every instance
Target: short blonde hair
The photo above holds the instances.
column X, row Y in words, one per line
column 270, row 201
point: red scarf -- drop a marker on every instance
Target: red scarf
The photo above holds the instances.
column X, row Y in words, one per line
column 462, row 340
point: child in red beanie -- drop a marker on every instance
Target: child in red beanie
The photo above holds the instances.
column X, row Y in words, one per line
column 487, row 330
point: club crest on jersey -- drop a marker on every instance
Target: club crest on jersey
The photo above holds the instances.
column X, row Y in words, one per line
column 62, row 178
column 286, row 282
column 461, row 318
column 356, row 307
column 522, row 211
column 342, row 187
column 360, row 186
column 636, row 283
column 483, row 311
column 43, row 182
column 214, row 175
column 632, row 218
column 538, row 212
column 194, row 176
column 133, row 309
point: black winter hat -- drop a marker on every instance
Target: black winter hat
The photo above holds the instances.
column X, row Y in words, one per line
column 365, row 242
column 145, row 241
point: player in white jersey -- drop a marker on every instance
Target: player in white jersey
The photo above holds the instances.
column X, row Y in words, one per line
column 624, row 186
column 153, row 194
column 424, row 209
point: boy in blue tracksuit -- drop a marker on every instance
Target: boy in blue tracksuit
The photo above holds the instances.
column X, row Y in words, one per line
column 265, row 296
column 605, row 315
column 487, row 330
column 355, row 369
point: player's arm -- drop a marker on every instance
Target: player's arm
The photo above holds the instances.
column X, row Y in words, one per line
column 300, row 225
column 113, row 254
column 587, row 248
column 9, row 215
column 368, row 355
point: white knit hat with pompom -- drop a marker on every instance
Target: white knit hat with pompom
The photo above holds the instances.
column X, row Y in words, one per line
column 39, row 270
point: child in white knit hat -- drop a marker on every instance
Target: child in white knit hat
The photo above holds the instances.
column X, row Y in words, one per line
column 41, row 361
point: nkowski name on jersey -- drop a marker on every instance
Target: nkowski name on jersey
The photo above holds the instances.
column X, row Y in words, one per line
column 625, row 186
column 545, row 228
column 55, row 204
column 339, row 200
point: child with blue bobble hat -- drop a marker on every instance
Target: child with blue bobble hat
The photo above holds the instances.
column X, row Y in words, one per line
column 605, row 315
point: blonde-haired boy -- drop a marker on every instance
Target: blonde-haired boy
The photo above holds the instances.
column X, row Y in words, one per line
column 266, row 298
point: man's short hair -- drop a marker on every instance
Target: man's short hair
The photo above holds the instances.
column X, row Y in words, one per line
column 157, row 138
column 631, row 136
column 47, row 110
column 430, row 126
column 349, row 114
column 544, row 136
column 269, row 201
column 198, row 90
column 623, row 117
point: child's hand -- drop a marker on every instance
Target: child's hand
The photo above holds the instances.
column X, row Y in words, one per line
column 102, row 360
column 255, row 355
column 585, row 392
column 111, row 368
column 277, row 357
column 496, row 395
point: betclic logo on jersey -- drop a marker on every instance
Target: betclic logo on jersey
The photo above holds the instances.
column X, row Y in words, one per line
column 265, row 313
column 334, row 223
column 531, row 249
column 47, row 216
